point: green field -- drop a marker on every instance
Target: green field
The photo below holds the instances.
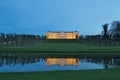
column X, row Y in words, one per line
column 61, row 48
column 107, row 74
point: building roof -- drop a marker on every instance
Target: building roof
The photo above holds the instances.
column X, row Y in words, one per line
column 62, row 31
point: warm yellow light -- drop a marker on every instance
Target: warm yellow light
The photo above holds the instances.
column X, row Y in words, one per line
column 62, row 61
column 62, row 35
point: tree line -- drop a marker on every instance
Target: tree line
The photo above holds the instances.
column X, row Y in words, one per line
column 25, row 39
column 19, row 39
column 104, row 39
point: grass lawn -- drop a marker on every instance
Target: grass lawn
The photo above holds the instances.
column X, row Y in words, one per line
column 107, row 74
column 62, row 48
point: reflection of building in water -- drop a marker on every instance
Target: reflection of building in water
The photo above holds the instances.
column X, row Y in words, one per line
column 62, row 61
column 62, row 35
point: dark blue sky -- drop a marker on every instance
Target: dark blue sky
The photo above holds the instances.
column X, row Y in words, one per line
column 39, row 16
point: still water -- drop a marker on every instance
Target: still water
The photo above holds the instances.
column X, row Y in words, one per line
column 30, row 62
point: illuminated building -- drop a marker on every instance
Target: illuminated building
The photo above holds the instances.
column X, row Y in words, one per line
column 62, row 61
column 62, row 35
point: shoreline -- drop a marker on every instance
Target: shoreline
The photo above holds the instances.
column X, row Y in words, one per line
column 97, row 74
column 94, row 51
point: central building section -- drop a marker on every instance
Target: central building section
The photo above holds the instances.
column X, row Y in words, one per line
column 62, row 35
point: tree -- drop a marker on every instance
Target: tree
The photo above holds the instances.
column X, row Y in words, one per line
column 105, row 27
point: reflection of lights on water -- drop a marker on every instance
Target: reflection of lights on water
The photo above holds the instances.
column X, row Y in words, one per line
column 38, row 63
column 62, row 61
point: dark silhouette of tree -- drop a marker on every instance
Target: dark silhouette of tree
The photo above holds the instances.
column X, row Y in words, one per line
column 105, row 27
column 19, row 39
column 2, row 38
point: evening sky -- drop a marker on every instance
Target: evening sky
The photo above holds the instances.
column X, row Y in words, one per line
column 39, row 16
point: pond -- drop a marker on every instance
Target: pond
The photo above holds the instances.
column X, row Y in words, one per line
column 38, row 62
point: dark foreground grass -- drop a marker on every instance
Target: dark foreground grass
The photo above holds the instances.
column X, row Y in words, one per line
column 107, row 74
column 62, row 48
